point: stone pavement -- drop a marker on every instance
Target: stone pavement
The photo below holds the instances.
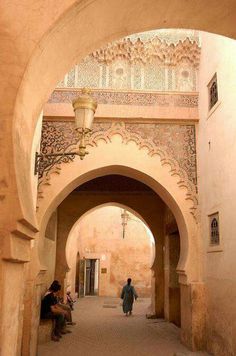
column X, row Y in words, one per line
column 103, row 330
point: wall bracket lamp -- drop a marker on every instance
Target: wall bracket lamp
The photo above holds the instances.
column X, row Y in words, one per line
column 84, row 108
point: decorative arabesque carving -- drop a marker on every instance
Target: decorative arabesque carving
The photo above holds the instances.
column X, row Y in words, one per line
column 110, row 97
column 139, row 51
column 56, row 138
column 174, row 144
column 146, row 64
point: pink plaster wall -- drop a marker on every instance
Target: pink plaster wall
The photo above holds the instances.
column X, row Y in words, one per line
column 217, row 190
column 128, row 111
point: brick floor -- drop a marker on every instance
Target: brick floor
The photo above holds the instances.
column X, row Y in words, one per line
column 103, row 330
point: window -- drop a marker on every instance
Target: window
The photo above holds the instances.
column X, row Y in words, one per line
column 213, row 92
column 214, row 229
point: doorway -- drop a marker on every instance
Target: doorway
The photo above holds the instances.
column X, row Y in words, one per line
column 77, row 274
column 91, row 277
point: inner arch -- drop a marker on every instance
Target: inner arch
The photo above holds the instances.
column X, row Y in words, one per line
column 145, row 179
column 109, row 204
column 97, row 234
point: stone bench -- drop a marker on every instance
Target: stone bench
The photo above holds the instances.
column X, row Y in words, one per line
column 44, row 331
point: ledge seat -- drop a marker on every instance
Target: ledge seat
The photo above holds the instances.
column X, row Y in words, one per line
column 45, row 331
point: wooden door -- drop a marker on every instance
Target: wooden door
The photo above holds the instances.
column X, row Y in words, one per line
column 90, row 276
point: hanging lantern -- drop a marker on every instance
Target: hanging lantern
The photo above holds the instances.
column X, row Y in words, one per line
column 84, row 108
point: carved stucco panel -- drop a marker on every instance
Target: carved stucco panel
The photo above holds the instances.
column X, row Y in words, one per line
column 128, row 98
column 174, row 143
column 139, row 51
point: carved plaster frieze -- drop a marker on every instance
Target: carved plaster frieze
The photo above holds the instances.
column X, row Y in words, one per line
column 174, row 144
column 129, row 98
column 139, row 51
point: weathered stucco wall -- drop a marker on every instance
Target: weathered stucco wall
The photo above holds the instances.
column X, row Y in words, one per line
column 100, row 233
column 217, row 190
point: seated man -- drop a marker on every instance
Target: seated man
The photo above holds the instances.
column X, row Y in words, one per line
column 70, row 301
column 50, row 310
column 64, row 307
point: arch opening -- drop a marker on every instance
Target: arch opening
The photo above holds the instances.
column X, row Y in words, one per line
column 132, row 174
column 119, row 251
column 145, row 204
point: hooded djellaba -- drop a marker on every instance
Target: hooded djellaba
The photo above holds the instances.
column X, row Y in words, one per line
column 128, row 295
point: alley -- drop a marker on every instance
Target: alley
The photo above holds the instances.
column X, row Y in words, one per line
column 102, row 329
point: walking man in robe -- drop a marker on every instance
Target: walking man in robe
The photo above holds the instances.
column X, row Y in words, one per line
column 128, row 295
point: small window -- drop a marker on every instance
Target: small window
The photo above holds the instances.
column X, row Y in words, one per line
column 214, row 229
column 213, row 92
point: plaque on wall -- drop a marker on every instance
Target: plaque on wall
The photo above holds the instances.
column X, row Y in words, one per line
column 103, row 270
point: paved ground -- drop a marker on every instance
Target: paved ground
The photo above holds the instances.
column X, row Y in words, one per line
column 103, row 330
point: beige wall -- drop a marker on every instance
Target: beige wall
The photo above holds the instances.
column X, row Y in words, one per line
column 12, row 314
column 151, row 112
column 50, row 244
column 217, row 190
column 99, row 234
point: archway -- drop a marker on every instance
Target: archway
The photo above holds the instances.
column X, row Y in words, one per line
column 54, row 195
column 157, row 174
column 149, row 206
column 120, row 250
column 76, row 18
column 85, row 197
column 152, row 171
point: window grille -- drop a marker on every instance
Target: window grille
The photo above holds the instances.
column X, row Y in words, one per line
column 214, row 229
column 213, row 92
